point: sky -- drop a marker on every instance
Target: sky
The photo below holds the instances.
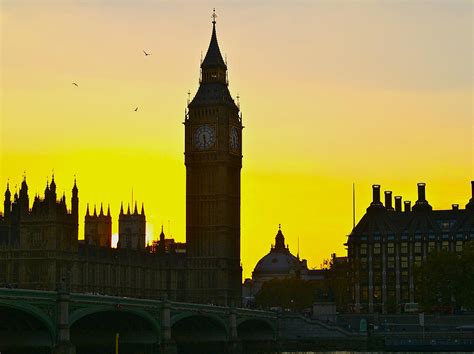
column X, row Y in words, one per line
column 332, row 93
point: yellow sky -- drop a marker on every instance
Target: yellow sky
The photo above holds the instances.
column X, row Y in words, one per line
column 332, row 92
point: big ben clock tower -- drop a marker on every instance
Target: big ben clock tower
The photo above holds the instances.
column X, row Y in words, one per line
column 213, row 159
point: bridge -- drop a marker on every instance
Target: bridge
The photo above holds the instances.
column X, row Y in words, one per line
column 59, row 322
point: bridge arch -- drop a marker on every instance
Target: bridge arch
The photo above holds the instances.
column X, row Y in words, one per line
column 80, row 313
column 199, row 333
column 249, row 329
column 94, row 329
column 182, row 316
column 27, row 326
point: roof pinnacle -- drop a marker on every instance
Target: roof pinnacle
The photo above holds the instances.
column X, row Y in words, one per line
column 214, row 16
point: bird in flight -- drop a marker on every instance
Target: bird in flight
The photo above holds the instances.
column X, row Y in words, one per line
column 136, row 109
column 75, row 84
column 146, row 54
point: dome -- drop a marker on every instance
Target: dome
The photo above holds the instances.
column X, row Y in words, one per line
column 278, row 261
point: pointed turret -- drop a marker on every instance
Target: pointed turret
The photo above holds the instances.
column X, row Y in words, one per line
column 23, row 198
column 161, row 244
column 108, row 210
column 75, row 202
column 213, row 83
column 143, row 209
column 101, row 210
column 7, row 192
column 135, row 210
column 52, row 188
column 46, row 190
column 128, row 209
column 279, row 240
column 213, row 58
column 74, row 188
column 87, row 210
column 121, row 208
column 7, row 204
column 95, row 211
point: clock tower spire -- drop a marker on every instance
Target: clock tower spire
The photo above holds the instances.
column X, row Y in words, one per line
column 213, row 159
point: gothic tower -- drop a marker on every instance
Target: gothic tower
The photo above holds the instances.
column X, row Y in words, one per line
column 213, row 159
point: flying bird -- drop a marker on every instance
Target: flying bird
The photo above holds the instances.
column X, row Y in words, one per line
column 146, row 54
column 136, row 109
column 75, row 84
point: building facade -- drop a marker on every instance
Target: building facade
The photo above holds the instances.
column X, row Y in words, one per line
column 40, row 250
column 388, row 243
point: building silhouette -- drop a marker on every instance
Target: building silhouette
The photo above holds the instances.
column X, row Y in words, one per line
column 39, row 247
column 98, row 228
column 388, row 243
column 132, row 228
column 278, row 263
column 213, row 159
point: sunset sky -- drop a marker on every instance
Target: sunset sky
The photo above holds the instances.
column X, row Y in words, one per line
column 332, row 93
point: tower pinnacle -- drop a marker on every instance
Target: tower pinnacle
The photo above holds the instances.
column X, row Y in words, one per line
column 214, row 16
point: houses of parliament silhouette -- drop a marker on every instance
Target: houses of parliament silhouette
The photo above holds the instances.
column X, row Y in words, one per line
column 39, row 247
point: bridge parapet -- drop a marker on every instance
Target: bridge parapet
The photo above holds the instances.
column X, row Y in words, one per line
column 65, row 317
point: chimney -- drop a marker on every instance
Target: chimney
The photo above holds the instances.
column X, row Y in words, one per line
column 421, row 192
column 407, row 206
column 421, row 204
column 398, row 203
column 388, row 200
column 375, row 194
column 455, row 206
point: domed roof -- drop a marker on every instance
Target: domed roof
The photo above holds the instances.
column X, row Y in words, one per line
column 278, row 261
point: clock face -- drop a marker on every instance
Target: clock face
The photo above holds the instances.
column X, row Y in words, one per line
column 234, row 139
column 204, row 137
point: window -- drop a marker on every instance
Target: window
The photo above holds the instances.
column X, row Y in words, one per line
column 391, row 262
column 417, row 260
column 445, row 245
column 363, row 249
column 417, row 247
column 390, row 248
column 431, row 246
column 376, row 248
column 404, row 262
column 458, row 246
column 404, row 247
column 363, row 262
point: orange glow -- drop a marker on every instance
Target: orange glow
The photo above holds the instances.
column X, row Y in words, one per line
column 331, row 93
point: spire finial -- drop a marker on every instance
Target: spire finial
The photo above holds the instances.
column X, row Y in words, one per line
column 214, row 16
column 279, row 226
column 298, row 254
